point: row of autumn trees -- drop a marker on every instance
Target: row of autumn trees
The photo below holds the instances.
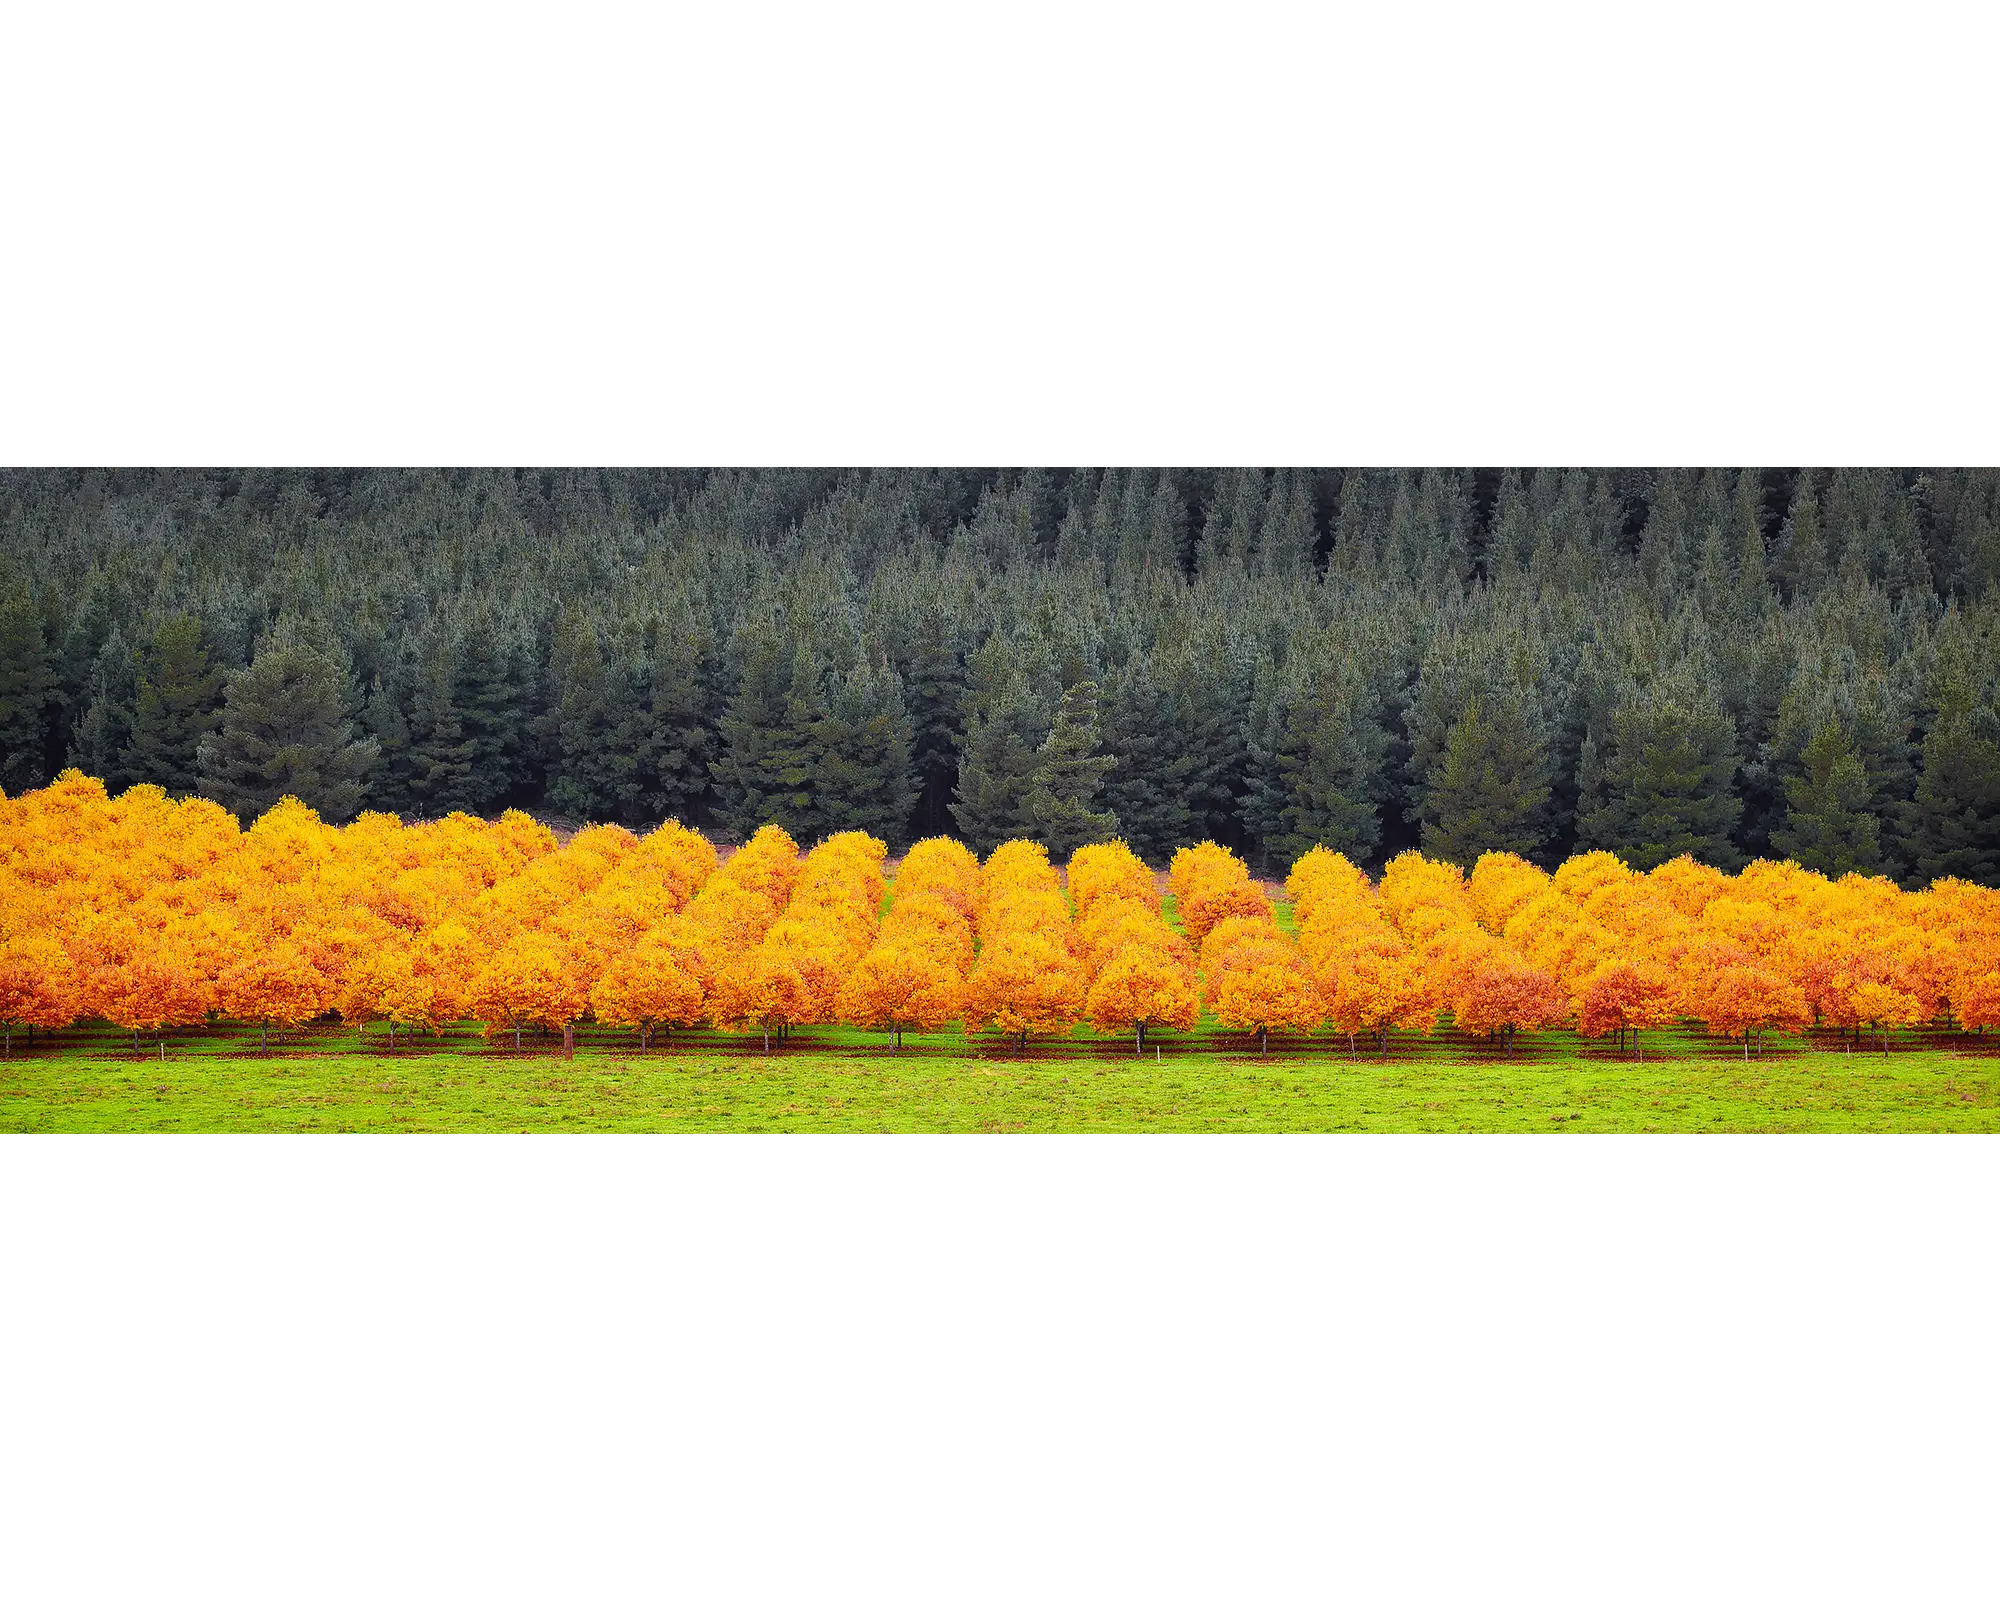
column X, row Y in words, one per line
column 1729, row 664
column 152, row 914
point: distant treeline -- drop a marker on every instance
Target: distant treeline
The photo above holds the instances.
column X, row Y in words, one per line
column 1726, row 663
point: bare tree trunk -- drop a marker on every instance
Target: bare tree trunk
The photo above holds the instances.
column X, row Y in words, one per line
column 264, row 1039
column 1264, row 1041
column 1350, row 1048
column 767, row 1038
column 517, row 1036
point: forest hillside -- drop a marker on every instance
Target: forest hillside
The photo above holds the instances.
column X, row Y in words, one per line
column 1729, row 664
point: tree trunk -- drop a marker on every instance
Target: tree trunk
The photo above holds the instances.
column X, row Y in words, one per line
column 569, row 1042
column 135, row 1044
column 163, row 1049
column 1264, row 1041
column 264, row 1039
column 767, row 1038
column 517, row 1038
column 9, row 1052
column 644, row 1029
column 1350, row 1048
column 1138, row 1038
column 1746, row 1046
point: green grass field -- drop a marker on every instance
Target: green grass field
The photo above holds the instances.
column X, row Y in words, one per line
column 836, row 1080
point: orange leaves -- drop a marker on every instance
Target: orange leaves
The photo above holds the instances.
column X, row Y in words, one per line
column 1027, row 978
column 34, row 987
column 275, row 985
column 1503, row 994
column 531, row 980
column 645, row 986
column 1269, row 991
column 1257, row 980
column 1209, row 884
column 1140, row 988
column 1110, row 871
column 1750, row 999
column 913, row 975
column 906, row 982
column 1024, row 983
column 1626, row 996
column 758, row 989
column 150, row 913
column 1139, row 973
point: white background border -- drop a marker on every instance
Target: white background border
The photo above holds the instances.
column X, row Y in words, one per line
column 388, row 234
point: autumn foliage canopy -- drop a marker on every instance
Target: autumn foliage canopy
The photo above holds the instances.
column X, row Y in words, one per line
column 155, row 914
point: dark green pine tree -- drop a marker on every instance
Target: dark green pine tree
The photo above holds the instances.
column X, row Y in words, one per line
column 444, row 765
column 490, row 699
column 1143, row 790
column 1955, row 818
column 764, row 767
column 674, row 754
column 595, row 718
column 1667, row 788
column 384, row 720
column 1209, row 691
column 1490, row 790
column 1802, row 556
column 1060, row 807
column 1260, row 808
column 27, row 694
column 1332, row 760
column 864, row 777
column 285, row 731
column 934, row 684
column 997, row 761
column 103, row 741
column 1828, row 825
column 179, row 703
column 1952, row 827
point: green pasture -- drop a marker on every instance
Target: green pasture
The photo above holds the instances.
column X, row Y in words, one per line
column 328, row 1079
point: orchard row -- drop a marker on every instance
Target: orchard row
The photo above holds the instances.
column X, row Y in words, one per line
column 152, row 914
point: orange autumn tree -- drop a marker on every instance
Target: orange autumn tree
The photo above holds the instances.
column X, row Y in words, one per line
column 152, row 992
column 759, row 988
column 1210, row 884
column 1626, row 997
column 902, row 983
column 646, row 987
column 1138, row 972
column 1744, row 999
column 1500, row 994
column 1257, row 981
column 914, row 974
column 1027, row 978
column 1142, row 988
column 275, row 985
column 34, row 992
column 1369, row 981
column 530, row 980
